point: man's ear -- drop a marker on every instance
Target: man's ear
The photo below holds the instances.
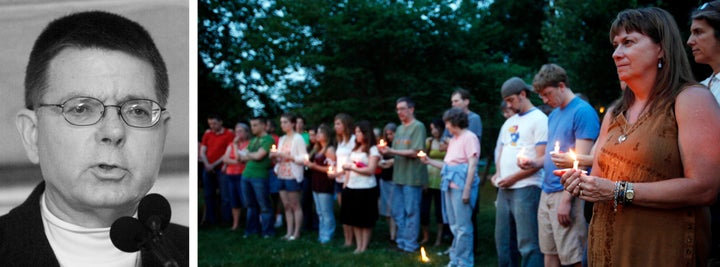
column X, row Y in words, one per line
column 26, row 123
column 165, row 122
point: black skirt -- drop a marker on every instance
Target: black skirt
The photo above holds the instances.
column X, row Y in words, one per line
column 359, row 207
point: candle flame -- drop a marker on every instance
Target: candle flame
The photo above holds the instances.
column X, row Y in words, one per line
column 273, row 148
column 574, row 158
column 421, row 154
column 382, row 143
column 330, row 169
column 423, row 256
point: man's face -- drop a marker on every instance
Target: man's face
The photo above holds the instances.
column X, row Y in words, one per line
column 551, row 95
column 107, row 165
column 299, row 125
column 215, row 125
column 404, row 113
column 513, row 103
column 257, row 127
column 457, row 102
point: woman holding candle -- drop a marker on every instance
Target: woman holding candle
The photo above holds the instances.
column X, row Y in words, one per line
column 386, row 177
column 459, row 184
column 322, row 185
column 432, row 193
column 655, row 168
column 360, row 210
column 345, row 144
column 289, row 169
column 234, row 169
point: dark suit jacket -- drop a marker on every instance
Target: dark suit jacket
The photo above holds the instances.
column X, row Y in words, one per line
column 23, row 241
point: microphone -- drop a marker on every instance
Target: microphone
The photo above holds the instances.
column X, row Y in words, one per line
column 130, row 235
column 154, row 205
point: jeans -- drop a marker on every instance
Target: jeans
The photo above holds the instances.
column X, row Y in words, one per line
column 324, row 206
column 516, row 227
column 225, row 206
column 458, row 214
column 386, row 188
column 210, row 187
column 406, row 213
column 257, row 200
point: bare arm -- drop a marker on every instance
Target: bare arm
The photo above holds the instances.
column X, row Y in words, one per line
column 226, row 158
column 472, row 164
column 698, row 119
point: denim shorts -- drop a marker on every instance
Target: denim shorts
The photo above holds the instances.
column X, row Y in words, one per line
column 291, row 185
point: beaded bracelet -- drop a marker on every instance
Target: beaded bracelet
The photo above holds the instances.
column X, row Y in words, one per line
column 615, row 196
column 619, row 192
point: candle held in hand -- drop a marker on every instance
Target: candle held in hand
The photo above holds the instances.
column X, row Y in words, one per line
column 273, row 149
column 557, row 147
column 382, row 143
column 421, row 154
column 574, row 158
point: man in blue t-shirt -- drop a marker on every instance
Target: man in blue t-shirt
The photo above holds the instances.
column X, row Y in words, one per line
column 573, row 124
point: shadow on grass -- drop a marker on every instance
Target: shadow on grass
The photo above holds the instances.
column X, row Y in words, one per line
column 218, row 246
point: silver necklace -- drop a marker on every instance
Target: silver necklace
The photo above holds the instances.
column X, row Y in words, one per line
column 624, row 134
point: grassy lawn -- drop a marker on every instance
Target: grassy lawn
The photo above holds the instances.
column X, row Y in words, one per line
column 218, row 246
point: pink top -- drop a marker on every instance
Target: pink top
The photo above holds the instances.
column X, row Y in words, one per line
column 461, row 148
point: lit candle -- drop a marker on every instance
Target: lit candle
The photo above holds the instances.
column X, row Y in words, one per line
column 382, row 143
column 330, row 170
column 557, row 147
column 307, row 157
column 421, row 154
column 423, row 256
column 521, row 153
column 575, row 161
column 273, row 149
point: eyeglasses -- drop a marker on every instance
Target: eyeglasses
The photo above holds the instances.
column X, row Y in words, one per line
column 85, row 111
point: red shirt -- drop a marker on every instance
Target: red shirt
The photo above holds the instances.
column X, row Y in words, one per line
column 216, row 143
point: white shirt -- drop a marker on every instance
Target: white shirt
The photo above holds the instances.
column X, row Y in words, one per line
column 342, row 153
column 75, row 245
column 715, row 89
column 298, row 151
column 359, row 181
column 522, row 131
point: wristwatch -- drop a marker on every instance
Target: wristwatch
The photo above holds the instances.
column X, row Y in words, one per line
column 629, row 193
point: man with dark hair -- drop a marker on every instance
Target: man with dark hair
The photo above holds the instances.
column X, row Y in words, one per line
column 409, row 175
column 255, row 186
column 95, row 120
column 522, row 136
column 573, row 124
column 214, row 142
column 460, row 98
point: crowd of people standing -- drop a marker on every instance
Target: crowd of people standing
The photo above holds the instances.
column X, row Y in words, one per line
column 646, row 168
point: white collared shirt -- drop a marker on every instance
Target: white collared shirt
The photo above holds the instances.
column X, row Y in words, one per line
column 75, row 245
column 714, row 86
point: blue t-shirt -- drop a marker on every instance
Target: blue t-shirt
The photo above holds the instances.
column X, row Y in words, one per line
column 577, row 120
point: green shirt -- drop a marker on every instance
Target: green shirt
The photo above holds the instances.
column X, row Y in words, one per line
column 258, row 169
column 410, row 171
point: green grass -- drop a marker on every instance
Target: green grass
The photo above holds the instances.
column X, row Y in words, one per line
column 218, row 246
